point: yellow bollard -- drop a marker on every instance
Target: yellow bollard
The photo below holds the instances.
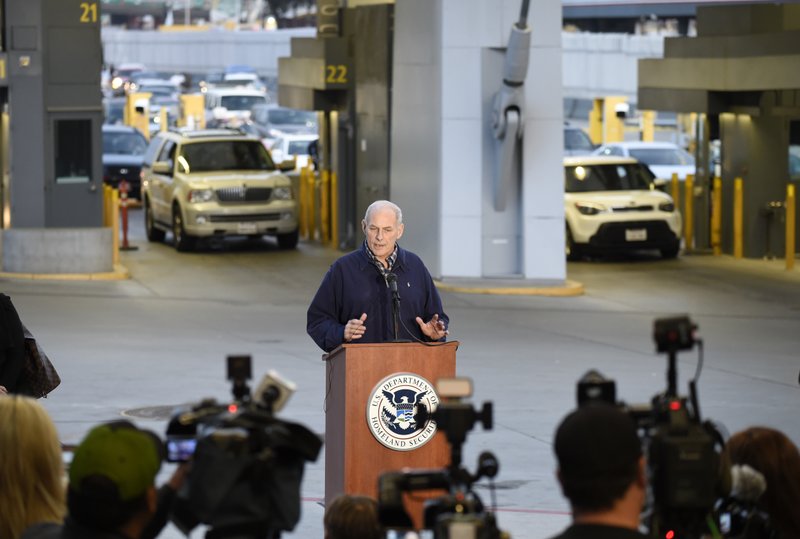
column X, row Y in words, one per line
column 613, row 125
column 324, row 207
column 648, row 122
column 790, row 225
column 675, row 190
column 163, row 119
column 334, row 211
column 301, row 203
column 716, row 217
column 115, row 226
column 688, row 212
column 311, row 210
column 596, row 122
column 738, row 210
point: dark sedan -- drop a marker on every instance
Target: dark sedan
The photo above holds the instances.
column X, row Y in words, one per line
column 123, row 150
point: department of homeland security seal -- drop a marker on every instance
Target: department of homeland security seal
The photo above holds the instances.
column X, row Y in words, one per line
column 392, row 411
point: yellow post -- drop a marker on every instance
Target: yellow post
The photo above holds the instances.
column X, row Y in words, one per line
column 137, row 112
column 613, row 126
column 115, row 226
column 738, row 224
column 675, row 190
column 716, row 217
column 596, row 122
column 648, row 123
column 324, row 207
column 163, row 119
column 790, row 226
column 688, row 212
column 334, row 210
column 106, row 205
column 311, row 197
column 193, row 114
column 302, row 227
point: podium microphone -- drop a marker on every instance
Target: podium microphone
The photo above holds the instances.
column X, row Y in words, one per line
column 391, row 280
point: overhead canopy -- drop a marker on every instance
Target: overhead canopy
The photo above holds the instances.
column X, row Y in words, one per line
column 745, row 58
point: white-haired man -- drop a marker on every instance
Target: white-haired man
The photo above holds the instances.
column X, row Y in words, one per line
column 354, row 301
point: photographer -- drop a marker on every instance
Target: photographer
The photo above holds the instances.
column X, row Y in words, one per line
column 602, row 473
column 773, row 454
column 112, row 491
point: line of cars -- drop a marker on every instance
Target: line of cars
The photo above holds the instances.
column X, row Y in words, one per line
column 227, row 180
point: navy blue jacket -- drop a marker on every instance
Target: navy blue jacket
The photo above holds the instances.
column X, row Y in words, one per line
column 353, row 285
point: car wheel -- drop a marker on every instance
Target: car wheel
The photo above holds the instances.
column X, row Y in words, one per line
column 573, row 251
column 288, row 241
column 153, row 233
column 182, row 241
column 670, row 252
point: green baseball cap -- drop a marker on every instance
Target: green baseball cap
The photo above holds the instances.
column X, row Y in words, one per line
column 119, row 451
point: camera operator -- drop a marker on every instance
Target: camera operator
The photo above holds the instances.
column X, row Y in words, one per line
column 773, row 454
column 602, row 473
column 112, row 493
column 352, row 517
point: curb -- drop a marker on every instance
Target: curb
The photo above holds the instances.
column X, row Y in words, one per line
column 120, row 273
column 568, row 289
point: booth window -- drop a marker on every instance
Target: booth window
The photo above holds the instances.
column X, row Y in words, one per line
column 73, row 151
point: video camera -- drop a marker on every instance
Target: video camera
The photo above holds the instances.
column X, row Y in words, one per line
column 460, row 513
column 247, row 464
column 686, row 476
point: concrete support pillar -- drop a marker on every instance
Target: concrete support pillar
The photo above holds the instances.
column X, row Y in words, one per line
column 755, row 149
column 448, row 58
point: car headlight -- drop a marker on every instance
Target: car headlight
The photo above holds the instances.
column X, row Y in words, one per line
column 588, row 208
column 668, row 207
column 282, row 193
column 200, row 195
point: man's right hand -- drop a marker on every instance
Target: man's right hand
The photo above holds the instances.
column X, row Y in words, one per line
column 355, row 328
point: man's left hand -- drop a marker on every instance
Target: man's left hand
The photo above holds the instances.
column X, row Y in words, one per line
column 434, row 329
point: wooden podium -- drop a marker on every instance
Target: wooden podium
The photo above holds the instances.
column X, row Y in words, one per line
column 354, row 458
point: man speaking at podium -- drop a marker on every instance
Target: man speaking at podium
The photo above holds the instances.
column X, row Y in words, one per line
column 378, row 293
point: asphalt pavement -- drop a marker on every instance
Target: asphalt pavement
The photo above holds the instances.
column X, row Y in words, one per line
column 140, row 346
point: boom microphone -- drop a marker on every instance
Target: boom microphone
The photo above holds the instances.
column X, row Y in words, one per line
column 747, row 483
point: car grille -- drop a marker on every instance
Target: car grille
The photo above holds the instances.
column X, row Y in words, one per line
column 633, row 208
column 244, row 218
column 611, row 235
column 244, row 194
column 129, row 173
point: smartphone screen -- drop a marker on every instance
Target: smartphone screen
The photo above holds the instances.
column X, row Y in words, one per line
column 180, row 449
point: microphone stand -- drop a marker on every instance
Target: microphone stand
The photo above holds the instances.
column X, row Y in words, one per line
column 395, row 305
column 391, row 279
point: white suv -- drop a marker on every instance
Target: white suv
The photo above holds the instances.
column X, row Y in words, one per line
column 213, row 183
column 611, row 205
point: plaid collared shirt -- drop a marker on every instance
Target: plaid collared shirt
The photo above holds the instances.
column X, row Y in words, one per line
column 391, row 259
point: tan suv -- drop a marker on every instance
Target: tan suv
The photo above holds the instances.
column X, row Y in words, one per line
column 215, row 183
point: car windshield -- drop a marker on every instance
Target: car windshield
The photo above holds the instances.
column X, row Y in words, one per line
column 577, row 140
column 162, row 91
column 607, row 177
column 242, row 102
column 662, row 156
column 298, row 147
column 292, row 117
column 224, row 155
column 124, row 143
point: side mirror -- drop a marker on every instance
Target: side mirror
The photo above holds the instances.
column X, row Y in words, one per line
column 162, row 167
column 288, row 165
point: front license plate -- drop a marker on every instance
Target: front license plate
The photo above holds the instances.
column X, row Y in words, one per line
column 636, row 234
column 247, row 228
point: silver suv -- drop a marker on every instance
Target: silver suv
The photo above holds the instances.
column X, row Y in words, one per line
column 213, row 183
